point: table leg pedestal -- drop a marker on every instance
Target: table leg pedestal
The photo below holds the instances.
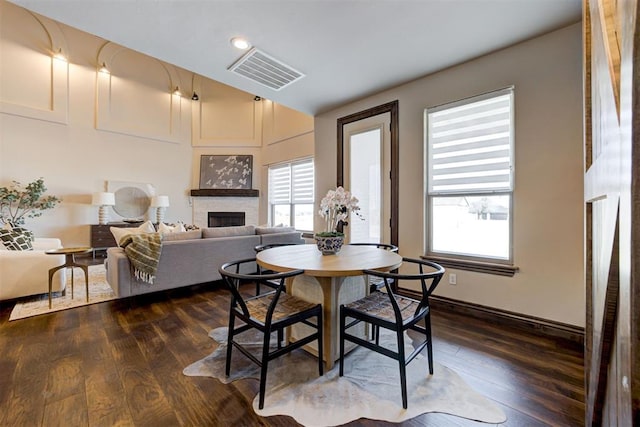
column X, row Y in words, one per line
column 330, row 292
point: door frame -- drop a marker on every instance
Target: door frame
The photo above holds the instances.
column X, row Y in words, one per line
column 392, row 108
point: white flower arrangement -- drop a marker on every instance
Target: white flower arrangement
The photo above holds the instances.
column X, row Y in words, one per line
column 336, row 206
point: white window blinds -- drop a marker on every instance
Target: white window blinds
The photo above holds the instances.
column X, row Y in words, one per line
column 470, row 144
column 302, row 182
column 280, row 184
column 291, row 183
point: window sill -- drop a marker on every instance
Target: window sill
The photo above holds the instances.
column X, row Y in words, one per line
column 476, row 266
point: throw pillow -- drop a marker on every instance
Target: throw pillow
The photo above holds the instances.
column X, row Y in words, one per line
column 167, row 229
column 16, row 240
column 189, row 227
column 27, row 233
column 119, row 233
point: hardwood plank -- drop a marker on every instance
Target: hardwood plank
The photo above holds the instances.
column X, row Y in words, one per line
column 184, row 340
column 64, row 379
column 131, row 354
column 106, row 402
column 69, row 411
column 535, row 372
column 168, row 372
column 144, row 395
column 481, row 361
column 9, row 354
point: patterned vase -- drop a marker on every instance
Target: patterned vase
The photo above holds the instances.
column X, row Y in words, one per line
column 329, row 245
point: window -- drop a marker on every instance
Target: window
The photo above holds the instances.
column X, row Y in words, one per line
column 469, row 147
column 291, row 194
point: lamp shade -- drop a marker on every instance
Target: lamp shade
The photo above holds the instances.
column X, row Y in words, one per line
column 160, row 201
column 103, row 199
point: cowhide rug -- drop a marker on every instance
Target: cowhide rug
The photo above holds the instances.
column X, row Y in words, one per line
column 370, row 387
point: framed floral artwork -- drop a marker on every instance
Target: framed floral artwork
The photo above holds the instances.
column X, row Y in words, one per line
column 226, row 171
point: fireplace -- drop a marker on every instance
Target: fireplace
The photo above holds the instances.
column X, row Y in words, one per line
column 225, row 219
column 208, row 202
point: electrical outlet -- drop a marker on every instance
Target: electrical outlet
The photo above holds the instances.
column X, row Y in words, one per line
column 453, row 279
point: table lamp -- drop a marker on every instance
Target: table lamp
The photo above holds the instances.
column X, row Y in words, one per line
column 160, row 203
column 103, row 200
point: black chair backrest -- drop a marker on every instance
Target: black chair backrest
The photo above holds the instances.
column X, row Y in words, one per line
column 431, row 277
column 233, row 278
column 260, row 248
column 387, row 246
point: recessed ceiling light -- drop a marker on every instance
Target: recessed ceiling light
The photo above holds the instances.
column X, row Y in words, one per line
column 240, row 43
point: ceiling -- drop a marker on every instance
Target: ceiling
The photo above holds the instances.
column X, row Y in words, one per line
column 347, row 49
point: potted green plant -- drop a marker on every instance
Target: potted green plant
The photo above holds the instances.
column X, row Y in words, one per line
column 18, row 202
column 335, row 208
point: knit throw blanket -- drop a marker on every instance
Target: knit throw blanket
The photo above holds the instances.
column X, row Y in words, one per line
column 143, row 251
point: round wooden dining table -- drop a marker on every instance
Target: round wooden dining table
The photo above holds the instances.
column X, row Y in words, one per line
column 331, row 280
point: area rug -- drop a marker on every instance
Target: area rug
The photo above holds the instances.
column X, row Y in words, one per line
column 99, row 291
column 369, row 389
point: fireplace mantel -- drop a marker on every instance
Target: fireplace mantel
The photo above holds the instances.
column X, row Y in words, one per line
column 225, row 192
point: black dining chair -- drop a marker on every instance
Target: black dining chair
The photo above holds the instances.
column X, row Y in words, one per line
column 269, row 312
column 264, row 247
column 387, row 246
column 396, row 313
column 376, row 283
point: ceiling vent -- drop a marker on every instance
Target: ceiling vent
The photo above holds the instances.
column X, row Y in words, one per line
column 266, row 70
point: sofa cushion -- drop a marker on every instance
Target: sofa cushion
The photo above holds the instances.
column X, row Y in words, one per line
column 24, row 273
column 290, row 237
column 272, row 230
column 119, row 233
column 240, row 230
column 16, row 239
column 186, row 235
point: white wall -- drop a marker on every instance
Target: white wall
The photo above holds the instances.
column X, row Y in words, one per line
column 78, row 128
column 48, row 115
column 548, row 208
column 74, row 158
column 287, row 135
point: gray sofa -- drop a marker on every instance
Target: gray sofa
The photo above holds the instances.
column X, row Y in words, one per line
column 193, row 257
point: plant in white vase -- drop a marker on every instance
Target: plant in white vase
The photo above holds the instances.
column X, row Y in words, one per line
column 335, row 208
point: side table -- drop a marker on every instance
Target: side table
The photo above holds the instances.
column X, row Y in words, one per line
column 69, row 261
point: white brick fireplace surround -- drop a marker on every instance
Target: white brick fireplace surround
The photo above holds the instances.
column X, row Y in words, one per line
column 202, row 205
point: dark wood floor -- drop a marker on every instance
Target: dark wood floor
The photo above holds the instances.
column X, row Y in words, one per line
column 120, row 363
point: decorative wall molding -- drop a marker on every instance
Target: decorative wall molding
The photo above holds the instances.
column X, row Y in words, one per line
column 281, row 123
column 139, row 105
column 224, row 116
column 55, row 73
